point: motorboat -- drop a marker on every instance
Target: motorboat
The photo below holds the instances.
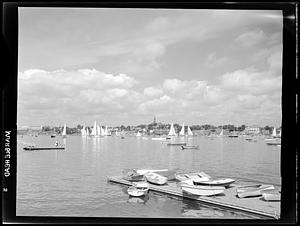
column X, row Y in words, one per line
column 155, row 178
column 201, row 190
column 253, row 190
column 138, row 189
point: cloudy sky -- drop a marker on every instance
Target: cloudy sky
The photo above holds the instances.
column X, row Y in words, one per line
column 125, row 66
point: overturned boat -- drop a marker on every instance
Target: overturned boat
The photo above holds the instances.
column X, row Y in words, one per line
column 155, row 178
column 253, row 190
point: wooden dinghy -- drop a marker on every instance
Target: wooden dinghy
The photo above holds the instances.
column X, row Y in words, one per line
column 155, row 178
column 253, row 190
column 216, row 182
column 132, row 175
column 201, row 190
column 170, row 174
column 273, row 197
column 138, row 189
column 192, row 176
column 202, row 178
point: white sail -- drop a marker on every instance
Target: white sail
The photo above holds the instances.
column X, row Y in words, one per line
column 83, row 131
column 138, row 134
column 105, row 132
column 274, row 132
column 172, row 131
column 64, row 132
column 98, row 131
column 190, row 133
column 94, row 130
column 181, row 133
column 222, row 132
column 101, row 131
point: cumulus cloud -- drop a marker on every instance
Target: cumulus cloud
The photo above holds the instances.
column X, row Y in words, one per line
column 152, row 92
column 74, row 92
column 213, row 61
column 251, row 38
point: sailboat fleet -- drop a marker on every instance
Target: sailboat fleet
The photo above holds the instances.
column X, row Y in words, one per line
column 182, row 131
column 97, row 131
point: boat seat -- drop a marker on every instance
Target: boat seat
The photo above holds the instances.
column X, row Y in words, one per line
column 202, row 174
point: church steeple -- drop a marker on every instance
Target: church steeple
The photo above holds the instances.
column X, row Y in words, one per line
column 154, row 120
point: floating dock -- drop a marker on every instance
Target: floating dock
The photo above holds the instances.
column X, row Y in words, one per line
column 227, row 200
column 42, row 148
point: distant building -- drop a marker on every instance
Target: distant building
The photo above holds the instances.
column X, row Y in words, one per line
column 252, row 130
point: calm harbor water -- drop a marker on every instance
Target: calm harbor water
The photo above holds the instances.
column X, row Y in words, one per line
column 73, row 182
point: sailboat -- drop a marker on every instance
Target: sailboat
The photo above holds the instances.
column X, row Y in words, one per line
column 222, row 132
column 64, row 132
column 94, row 130
column 138, row 134
column 274, row 134
column 172, row 131
column 87, row 132
column 101, row 131
column 83, row 131
column 106, row 132
column 182, row 133
column 189, row 132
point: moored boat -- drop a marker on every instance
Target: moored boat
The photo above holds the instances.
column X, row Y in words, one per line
column 195, row 176
column 158, row 138
column 138, row 189
column 144, row 171
column 155, row 178
column 271, row 196
column 201, row 190
column 216, row 182
column 180, row 144
column 189, row 147
column 132, row 175
column 253, row 190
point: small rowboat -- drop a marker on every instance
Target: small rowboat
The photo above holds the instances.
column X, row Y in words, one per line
column 138, row 189
column 170, row 174
column 143, row 171
column 271, row 196
column 201, row 190
column 204, row 179
column 155, row 178
column 190, row 147
column 132, row 175
column 216, row 182
column 253, row 190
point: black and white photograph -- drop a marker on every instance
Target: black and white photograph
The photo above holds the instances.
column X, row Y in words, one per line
column 149, row 113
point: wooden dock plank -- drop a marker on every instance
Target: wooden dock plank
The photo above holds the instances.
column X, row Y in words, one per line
column 254, row 205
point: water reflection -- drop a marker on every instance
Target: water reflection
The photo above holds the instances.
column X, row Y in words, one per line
column 131, row 199
column 140, row 200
